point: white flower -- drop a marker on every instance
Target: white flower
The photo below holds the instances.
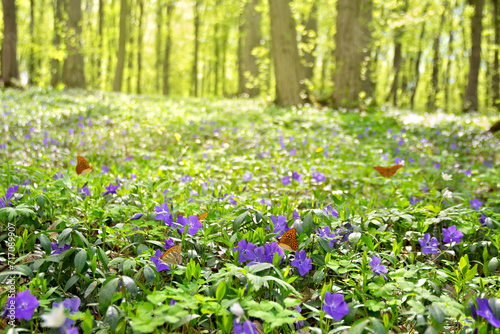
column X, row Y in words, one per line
column 447, row 194
column 446, row 177
column 55, row 318
column 237, row 310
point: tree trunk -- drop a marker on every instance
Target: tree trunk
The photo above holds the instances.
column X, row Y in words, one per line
column 224, row 57
column 216, row 39
column 309, row 41
column 139, row 47
column 130, row 54
column 241, row 57
column 396, row 66
column 252, row 40
column 417, row 65
column 194, row 78
column 495, row 84
column 31, row 60
column 120, row 63
column 101, row 53
column 73, row 72
column 431, row 102
column 168, row 46
column 470, row 99
column 287, row 67
column 10, row 70
column 159, row 52
column 351, row 38
column 55, row 63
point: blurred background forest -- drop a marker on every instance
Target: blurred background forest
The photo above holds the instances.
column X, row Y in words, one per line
column 419, row 54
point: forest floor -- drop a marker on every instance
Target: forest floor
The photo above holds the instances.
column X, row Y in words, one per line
column 227, row 180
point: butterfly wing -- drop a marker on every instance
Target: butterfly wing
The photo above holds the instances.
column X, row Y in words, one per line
column 82, row 166
column 172, row 255
column 289, row 240
column 203, row 216
column 387, row 172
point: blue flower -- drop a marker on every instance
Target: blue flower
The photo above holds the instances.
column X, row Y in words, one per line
column 160, row 265
column 257, row 256
column 475, row 204
column 247, row 176
column 85, row 192
column 271, row 249
column 192, row 221
column 163, row 213
column 413, row 200
column 297, row 177
column 247, row 327
column 245, row 248
column 328, row 235
column 377, row 267
column 57, row 249
column 331, row 211
column 335, row 305
column 111, row 189
column 186, row 178
column 484, row 310
column 452, row 234
column 73, row 306
column 286, row 180
column 136, row 216
column 318, row 177
column 302, row 263
column 280, row 224
column 429, row 246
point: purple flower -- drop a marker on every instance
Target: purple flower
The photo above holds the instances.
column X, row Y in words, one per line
column 437, row 165
column 160, row 265
column 377, row 267
column 482, row 220
column 429, row 246
column 295, row 215
column 280, row 224
column 298, row 324
column 292, row 152
column 57, row 249
column 163, row 213
column 22, row 306
column 258, row 255
column 302, row 263
column 111, row 189
column 56, row 177
column 385, row 157
column 265, row 202
column 247, row 176
column 452, row 234
column 73, row 306
column 424, row 141
column 488, row 163
column 328, row 235
column 271, row 249
column 104, row 169
column 468, row 173
column 484, row 310
column 244, row 248
column 85, row 191
column 4, row 146
column 247, row 327
column 453, row 146
column 297, row 177
column 128, row 159
column 186, row 178
column 331, row 211
column 424, row 188
column 401, row 142
column 413, row 200
column 475, row 204
column 5, row 200
column 398, row 161
column 335, row 305
column 230, row 199
column 318, row 177
column 136, row 216
column 192, row 222
column 286, row 180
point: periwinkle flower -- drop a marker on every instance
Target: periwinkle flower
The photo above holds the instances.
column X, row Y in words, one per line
column 398, row 161
column 186, row 178
column 335, row 306
column 484, row 310
column 297, row 177
column 286, row 180
column 377, row 267
column 468, row 173
column 328, row 235
column 331, row 211
column 318, row 177
column 160, row 265
column 22, row 306
column 475, row 204
column 73, row 306
column 270, row 251
column 57, row 176
column 111, row 189
column 244, row 248
column 58, row 249
column 192, row 222
column 413, row 200
column 429, row 245
column 451, row 234
column 265, row 202
column 163, row 213
column 246, row 327
column 247, row 176
column 85, row 192
column 437, row 165
column 257, row 256
column 280, row 224
column 104, row 169
column 136, row 216
column 302, row 262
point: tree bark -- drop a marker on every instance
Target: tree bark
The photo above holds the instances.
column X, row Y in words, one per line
column 252, row 40
column 309, row 41
column 194, row 72
column 241, row 66
column 216, row 39
column 396, row 67
column 10, row 69
column 287, row 67
column 73, row 71
column 470, row 98
column 431, row 102
column 495, row 80
column 351, row 38
column 168, row 46
column 417, row 65
column 130, row 54
column 117, row 82
column 159, row 36
column 100, row 28
column 31, row 60
column 55, row 63
column 139, row 47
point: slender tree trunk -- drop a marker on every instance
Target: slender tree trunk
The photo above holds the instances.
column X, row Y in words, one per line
column 470, row 99
column 159, row 52
column 139, row 47
column 287, row 67
column 417, row 65
column 448, row 69
column 224, row 57
column 168, row 46
column 55, row 63
column 216, row 55
column 120, row 63
column 101, row 53
column 241, row 58
column 31, row 60
column 10, row 69
column 73, row 70
column 252, row 40
column 309, row 41
column 495, row 84
column 396, row 66
column 351, row 38
column 431, row 102
column 196, row 46
column 130, row 55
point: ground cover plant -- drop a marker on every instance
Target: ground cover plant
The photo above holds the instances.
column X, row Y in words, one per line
column 220, row 216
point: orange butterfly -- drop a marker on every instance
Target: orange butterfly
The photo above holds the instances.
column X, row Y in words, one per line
column 289, row 240
column 203, row 216
column 82, row 167
column 387, row 171
column 172, row 255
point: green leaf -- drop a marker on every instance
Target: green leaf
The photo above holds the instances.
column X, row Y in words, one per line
column 80, row 260
column 378, row 326
column 239, row 220
column 90, row 289
column 130, row 285
column 493, row 265
column 221, row 291
column 149, row 274
column 112, row 317
column 45, row 242
column 359, row 326
column 354, row 238
column 106, row 294
column 437, row 314
column 308, row 224
column 71, row 282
